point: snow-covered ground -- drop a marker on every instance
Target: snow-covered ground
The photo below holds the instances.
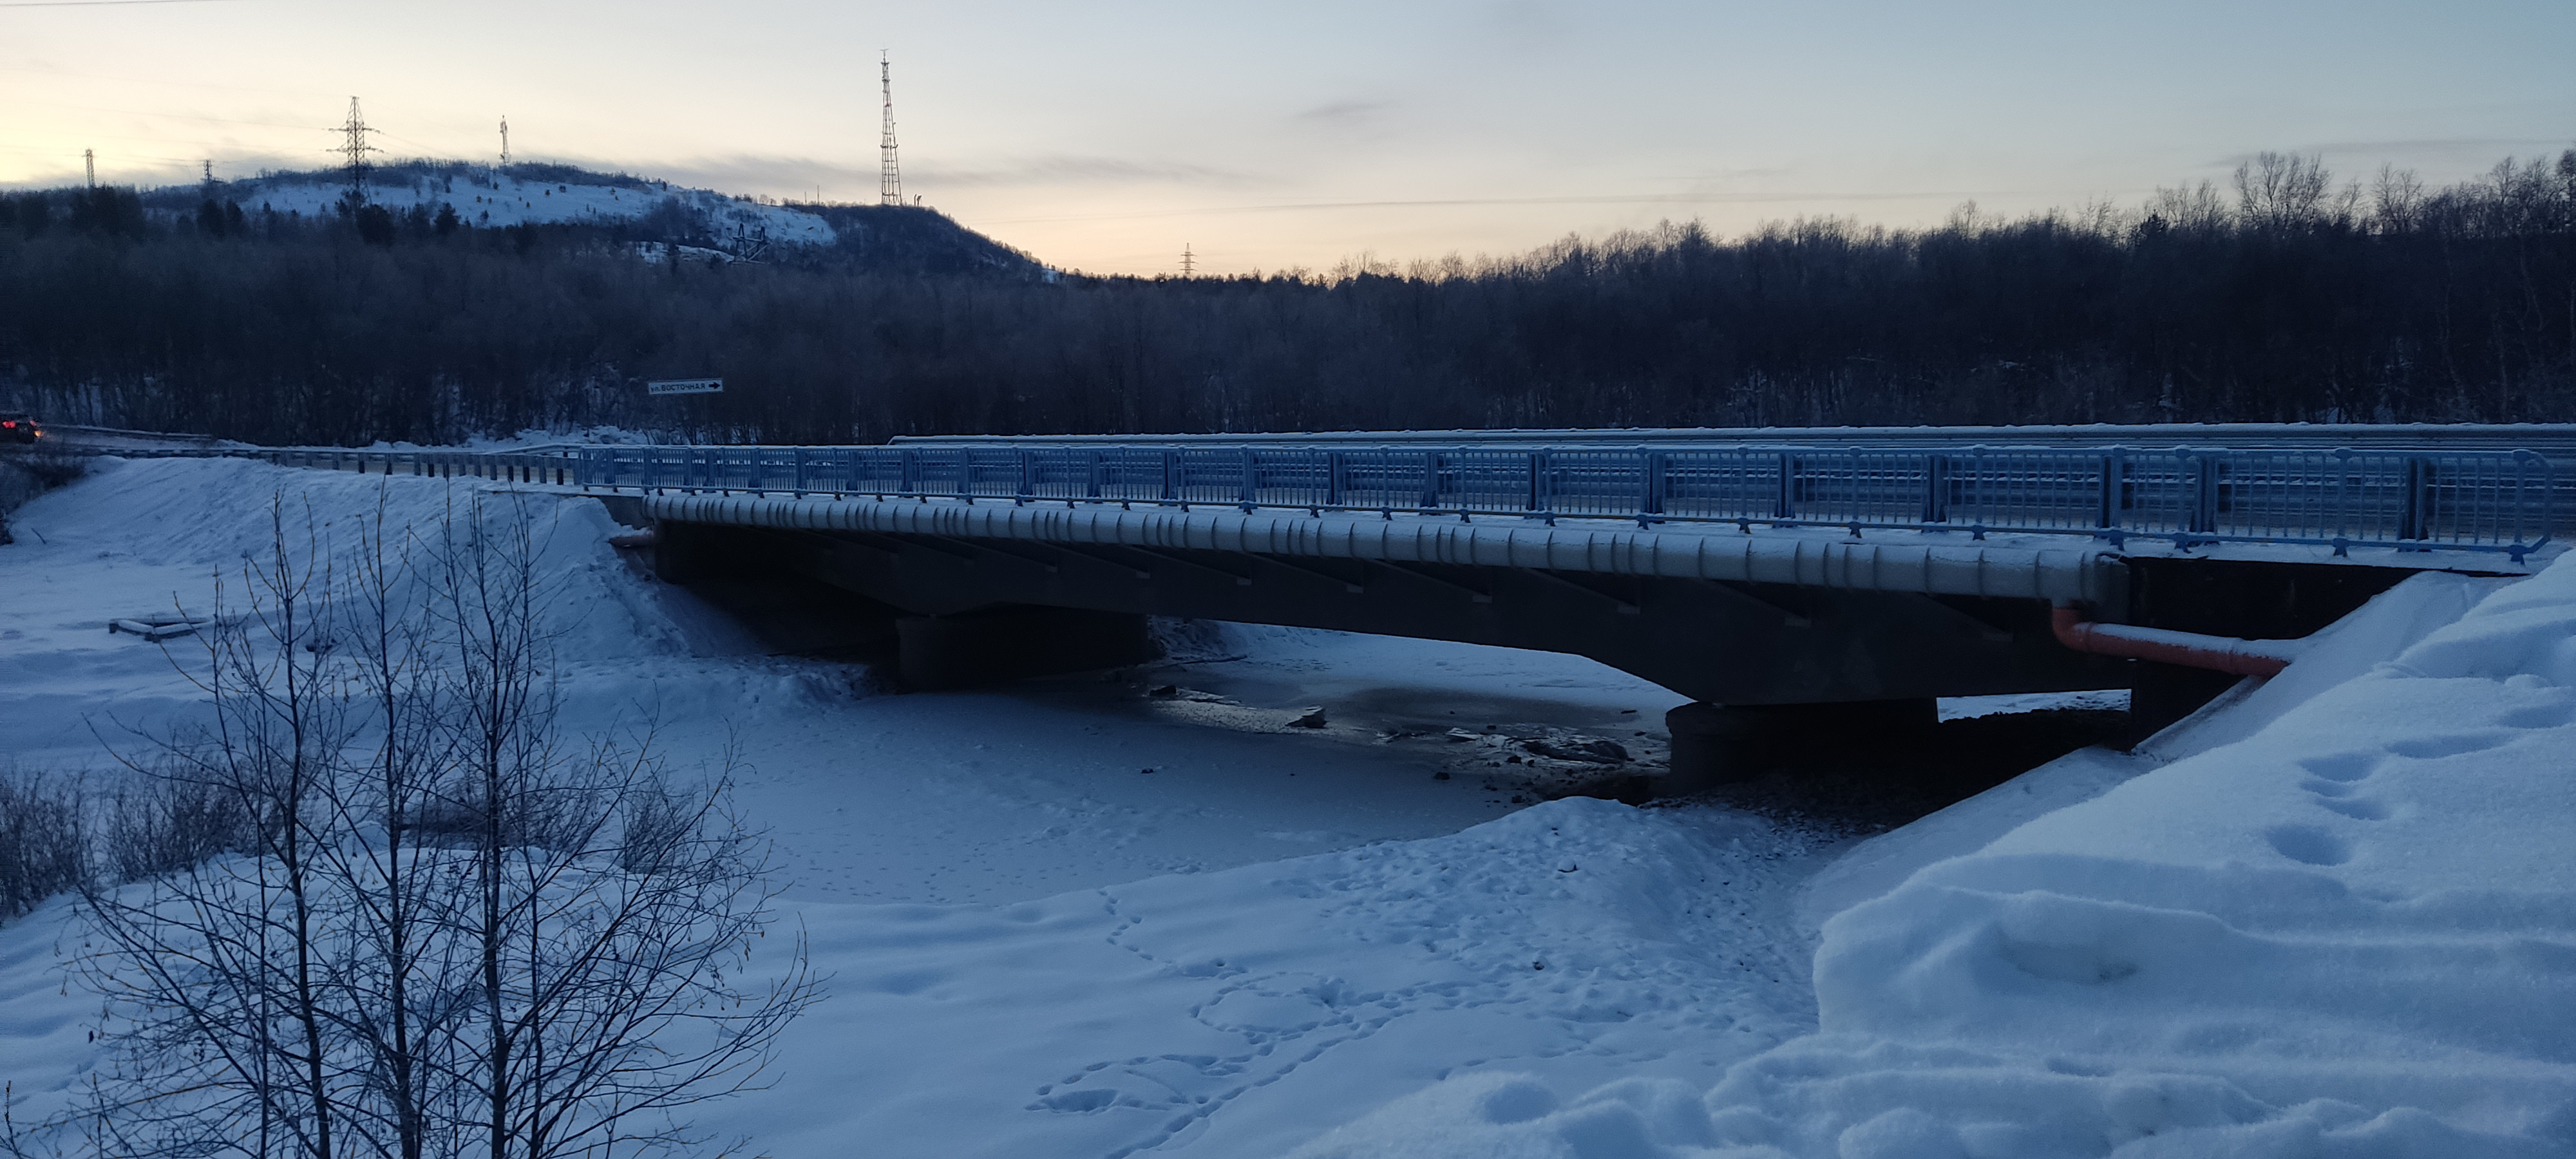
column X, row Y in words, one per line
column 492, row 199
column 2332, row 915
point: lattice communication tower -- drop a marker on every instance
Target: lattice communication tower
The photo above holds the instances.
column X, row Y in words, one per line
column 889, row 174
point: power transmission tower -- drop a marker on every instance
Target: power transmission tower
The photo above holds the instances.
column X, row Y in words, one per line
column 209, row 166
column 89, row 165
column 357, row 149
column 1189, row 262
column 505, row 141
column 889, row 175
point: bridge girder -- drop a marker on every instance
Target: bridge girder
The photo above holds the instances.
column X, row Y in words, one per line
column 1718, row 641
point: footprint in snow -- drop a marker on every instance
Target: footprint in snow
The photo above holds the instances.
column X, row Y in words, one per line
column 2357, row 808
column 2308, row 844
column 2455, row 744
column 2342, row 766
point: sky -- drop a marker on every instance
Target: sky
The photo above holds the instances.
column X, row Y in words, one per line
column 1106, row 137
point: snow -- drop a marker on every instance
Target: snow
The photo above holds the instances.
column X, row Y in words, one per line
column 2347, row 933
column 2328, row 916
column 492, row 200
column 2386, row 626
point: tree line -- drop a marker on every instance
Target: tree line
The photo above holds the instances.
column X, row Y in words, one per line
column 2284, row 295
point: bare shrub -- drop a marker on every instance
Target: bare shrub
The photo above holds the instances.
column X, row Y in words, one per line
column 43, row 839
column 164, row 824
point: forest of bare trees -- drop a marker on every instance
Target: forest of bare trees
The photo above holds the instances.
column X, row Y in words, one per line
column 2290, row 293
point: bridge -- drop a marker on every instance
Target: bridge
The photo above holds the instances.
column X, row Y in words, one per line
column 1823, row 587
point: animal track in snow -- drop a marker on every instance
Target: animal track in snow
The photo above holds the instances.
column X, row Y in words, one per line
column 2539, row 716
column 2452, row 745
column 2357, row 808
column 2342, row 766
column 2308, row 844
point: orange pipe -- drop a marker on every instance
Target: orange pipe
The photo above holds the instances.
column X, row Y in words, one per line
column 2186, row 649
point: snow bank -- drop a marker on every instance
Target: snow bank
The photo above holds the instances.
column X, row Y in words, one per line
column 2381, row 629
column 1234, row 1013
column 2351, row 933
column 152, row 535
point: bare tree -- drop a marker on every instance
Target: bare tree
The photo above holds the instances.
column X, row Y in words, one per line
column 608, row 910
column 2282, row 191
column 213, row 975
column 446, row 926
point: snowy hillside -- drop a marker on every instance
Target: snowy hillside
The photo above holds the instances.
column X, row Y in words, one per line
column 490, row 198
column 2330, row 916
column 636, row 209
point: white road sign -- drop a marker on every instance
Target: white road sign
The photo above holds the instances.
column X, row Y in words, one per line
column 685, row 386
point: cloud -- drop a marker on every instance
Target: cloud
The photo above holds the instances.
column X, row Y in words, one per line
column 756, row 173
column 1345, row 114
column 737, row 173
column 2479, row 151
column 1674, row 199
column 1071, row 169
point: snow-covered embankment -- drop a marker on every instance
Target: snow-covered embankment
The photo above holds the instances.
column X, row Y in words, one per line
column 2350, row 933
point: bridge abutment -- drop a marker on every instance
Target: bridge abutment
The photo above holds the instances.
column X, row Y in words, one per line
column 1012, row 643
column 1715, row 744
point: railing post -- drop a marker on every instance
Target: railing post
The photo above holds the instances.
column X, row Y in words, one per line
column 800, row 473
column 1171, row 474
column 2524, row 463
column 1430, row 481
column 1936, row 488
column 1650, row 500
column 2411, row 500
column 1251, row 482
column 2204, row 493
column 1785, row 506
column 1092, row 491
column 1020, row 494
column 2107, row 512
column 1333, row 479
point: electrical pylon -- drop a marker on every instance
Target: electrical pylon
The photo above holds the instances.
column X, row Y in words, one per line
column 356, row 150
column 889, row 174
column 1189, row 262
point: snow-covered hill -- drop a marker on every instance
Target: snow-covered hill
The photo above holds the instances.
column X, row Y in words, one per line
column 493, row 198
column 636, row 209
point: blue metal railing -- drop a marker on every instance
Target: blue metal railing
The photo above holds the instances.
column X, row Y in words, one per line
column 2408, row 500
